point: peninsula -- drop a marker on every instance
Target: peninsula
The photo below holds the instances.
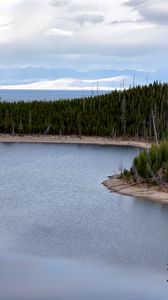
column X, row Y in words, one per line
column 142, row 190
column 147, row 178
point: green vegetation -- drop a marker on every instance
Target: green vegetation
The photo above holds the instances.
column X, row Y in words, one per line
column 139, row 112
column 151, row 165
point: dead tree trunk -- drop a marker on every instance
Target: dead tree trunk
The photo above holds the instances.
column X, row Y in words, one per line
column 154, row 127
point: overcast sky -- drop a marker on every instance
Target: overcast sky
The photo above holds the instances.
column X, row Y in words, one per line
column 84, row 34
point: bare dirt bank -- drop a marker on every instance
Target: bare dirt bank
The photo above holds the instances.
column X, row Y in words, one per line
column 56, row 139
column 141, row 190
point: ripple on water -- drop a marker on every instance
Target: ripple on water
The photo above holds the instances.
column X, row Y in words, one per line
column 53, row 206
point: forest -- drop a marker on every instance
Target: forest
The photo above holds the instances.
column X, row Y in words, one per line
column 150, row 165
column 139, row 112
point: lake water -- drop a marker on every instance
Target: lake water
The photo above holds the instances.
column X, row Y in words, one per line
column 45, row 95
column 64, row 236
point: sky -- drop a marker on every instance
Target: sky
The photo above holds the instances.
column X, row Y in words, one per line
column 84, row 35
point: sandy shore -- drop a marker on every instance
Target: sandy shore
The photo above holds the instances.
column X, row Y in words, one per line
column 56, row 139
column 124, row 187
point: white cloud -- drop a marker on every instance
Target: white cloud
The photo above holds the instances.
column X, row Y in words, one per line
column 151, row 10
column 95, row 19
column 83, row 34
column 58, row 32
column 58, row 3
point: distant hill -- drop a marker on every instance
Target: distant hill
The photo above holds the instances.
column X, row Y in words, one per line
column 31, row 74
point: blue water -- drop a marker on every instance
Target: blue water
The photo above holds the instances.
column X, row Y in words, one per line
column 46, row 95
column 64, row 236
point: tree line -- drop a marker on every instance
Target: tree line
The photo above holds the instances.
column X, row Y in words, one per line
column 150, row 165
column 139, row 112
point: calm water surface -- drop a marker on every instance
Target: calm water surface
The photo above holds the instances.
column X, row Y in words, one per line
column 60, row 227
column 46, row 95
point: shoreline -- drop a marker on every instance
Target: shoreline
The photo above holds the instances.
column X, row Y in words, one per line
column 83, row 140
column 142, row 190
column 113, row 183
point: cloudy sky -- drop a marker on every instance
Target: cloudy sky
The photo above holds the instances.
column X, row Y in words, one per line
column 84, row 34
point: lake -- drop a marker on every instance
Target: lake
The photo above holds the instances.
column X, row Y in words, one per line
column 64, row 236
column 46, row 95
